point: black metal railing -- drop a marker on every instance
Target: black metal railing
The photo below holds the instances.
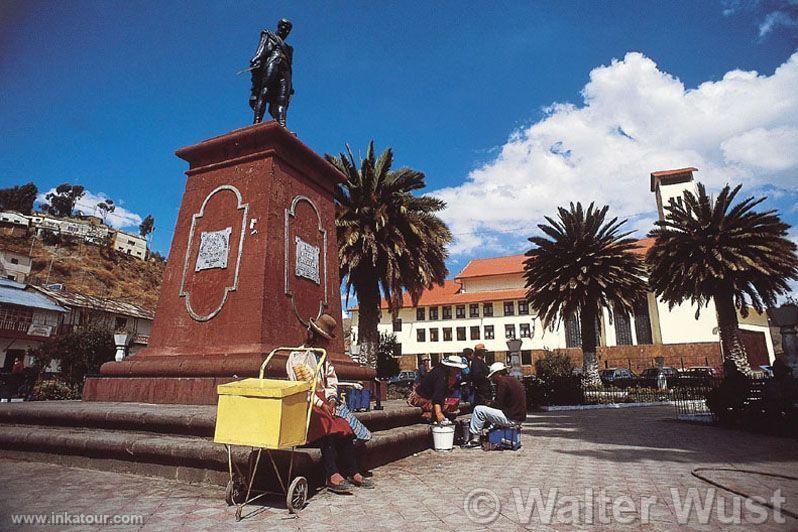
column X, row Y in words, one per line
column 688, row 394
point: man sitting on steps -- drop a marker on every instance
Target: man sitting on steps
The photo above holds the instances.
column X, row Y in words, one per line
column 506, row 410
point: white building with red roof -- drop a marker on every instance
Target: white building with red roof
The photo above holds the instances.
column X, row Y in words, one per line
column 485, row 303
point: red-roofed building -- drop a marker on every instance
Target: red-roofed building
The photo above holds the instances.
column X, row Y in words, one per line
column 485, row 303
column 493, row 266
column 643, row 245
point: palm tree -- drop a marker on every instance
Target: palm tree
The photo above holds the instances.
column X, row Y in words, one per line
column 732, row 255
column 583, row 266
column 389, row 240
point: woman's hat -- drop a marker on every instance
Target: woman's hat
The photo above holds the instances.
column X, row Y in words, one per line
column 324, row 325
column 496, row 367
column 454, row 361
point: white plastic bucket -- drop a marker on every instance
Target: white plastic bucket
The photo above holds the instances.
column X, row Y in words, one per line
column 443, row 437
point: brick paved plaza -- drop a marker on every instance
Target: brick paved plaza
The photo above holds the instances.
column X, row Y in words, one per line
column 637, row 453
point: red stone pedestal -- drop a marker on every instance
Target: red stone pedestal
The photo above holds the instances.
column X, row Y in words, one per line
column 254, row 256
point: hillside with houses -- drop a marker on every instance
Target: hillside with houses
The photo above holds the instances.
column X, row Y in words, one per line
column 88, row 269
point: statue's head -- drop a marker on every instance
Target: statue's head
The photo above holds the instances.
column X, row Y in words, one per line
column 284, row 27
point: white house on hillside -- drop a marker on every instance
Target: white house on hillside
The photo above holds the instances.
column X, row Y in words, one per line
column 131, row 244
column 89, row 228
column 14, row 266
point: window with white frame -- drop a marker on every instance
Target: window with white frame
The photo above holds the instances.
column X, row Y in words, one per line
column 509, row 331
column 475, row 332
column 447, row 334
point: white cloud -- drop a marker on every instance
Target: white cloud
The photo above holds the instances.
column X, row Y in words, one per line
column 121, row 218
column 634, row 119
column 775, row 19
column 770, row 149
column 768, row 15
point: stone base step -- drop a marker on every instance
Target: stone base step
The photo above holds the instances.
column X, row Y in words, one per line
column 185, row 457
column 189, row 420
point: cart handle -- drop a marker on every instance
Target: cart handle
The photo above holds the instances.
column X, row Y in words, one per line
column 316, row 373
column 274, row 351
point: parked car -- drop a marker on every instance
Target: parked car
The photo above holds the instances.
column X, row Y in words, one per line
column 650, row 376
column 404, row 377
column 698, row 374
column 618, row 377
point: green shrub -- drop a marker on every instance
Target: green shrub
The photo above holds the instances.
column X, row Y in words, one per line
column 80, row 353
column 554, row 365
column 54, row 390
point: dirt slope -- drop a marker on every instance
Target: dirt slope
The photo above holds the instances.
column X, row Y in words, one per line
column 90, row 269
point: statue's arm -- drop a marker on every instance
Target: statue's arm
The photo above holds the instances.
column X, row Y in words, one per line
column 263, row 45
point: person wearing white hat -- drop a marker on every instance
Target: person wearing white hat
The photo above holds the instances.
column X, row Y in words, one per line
column 507, row 409
column 431, row 393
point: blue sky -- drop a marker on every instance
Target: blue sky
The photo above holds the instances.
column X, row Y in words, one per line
column 509, row 108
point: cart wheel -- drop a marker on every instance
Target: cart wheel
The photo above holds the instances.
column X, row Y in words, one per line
column 297, row 494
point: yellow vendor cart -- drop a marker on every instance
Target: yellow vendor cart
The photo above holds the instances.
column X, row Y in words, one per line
column 266, row 414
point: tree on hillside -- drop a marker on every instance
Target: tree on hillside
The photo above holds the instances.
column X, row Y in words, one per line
column 106, row 207
column 709, row 250
column 157, row 256
column 147, row 226
column 18, row 198
column 582, row 265
column 62, row 202
column 389, row 240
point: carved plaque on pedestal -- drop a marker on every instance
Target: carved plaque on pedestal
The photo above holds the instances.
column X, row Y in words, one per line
column 215, row 253
column 214, row 249
column 307, row 260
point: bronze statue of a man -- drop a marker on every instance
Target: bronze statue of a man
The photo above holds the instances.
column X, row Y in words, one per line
column 271, row 74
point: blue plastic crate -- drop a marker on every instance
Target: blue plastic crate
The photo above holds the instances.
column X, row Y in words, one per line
column 359, row 400
column 506, row 438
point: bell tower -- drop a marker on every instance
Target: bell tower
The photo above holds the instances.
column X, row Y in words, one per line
column 672, row 184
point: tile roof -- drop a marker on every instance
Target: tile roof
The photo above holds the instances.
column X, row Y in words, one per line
column 643, row 245
column 73, row 299
column 493, row 266
column 677, row 171
column 13, row 293
column 450, row 294
column 666, row 173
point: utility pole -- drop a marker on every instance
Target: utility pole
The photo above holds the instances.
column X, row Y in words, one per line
column 50, row 266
